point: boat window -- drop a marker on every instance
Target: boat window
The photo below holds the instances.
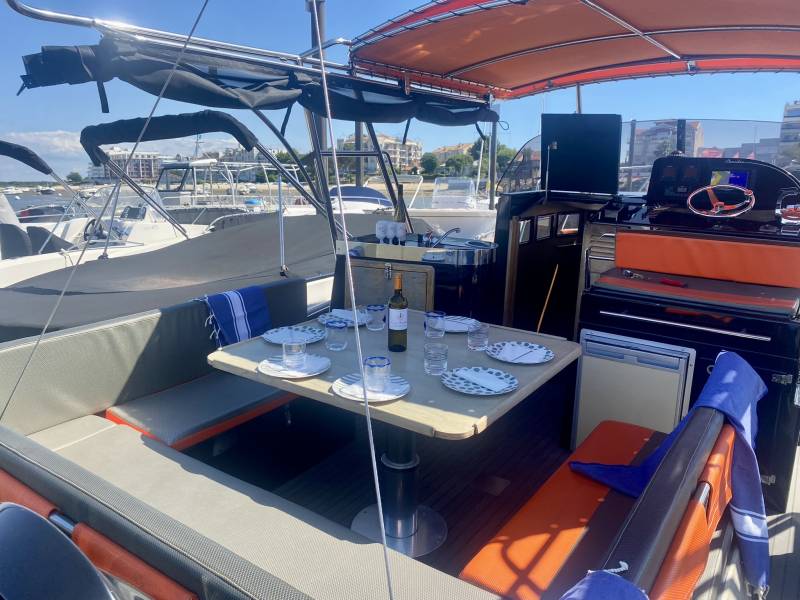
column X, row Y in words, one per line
column 568, row 224
column 524, row 232
column 522, row 173
column 544, row 224
column 171, row 180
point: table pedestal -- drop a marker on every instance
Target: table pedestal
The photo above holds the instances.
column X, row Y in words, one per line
column 411, row 528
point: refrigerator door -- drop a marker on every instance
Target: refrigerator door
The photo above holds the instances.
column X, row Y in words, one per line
column 630, row 380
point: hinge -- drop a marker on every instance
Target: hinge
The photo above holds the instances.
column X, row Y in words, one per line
column 783, row 378
column 768, row 479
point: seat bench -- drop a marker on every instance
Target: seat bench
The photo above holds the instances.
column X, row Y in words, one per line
column 187, row 414
column 568, row 526
column 317, row 557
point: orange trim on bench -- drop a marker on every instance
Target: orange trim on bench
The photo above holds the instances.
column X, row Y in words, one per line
column 694, row 294
column 213, row 430
column 745, row 262
column 524, row 557
column 688, row 552
column 115, row 560
column 210, row 432
column 12, row 490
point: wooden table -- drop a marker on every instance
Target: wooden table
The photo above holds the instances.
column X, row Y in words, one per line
column 430, row 409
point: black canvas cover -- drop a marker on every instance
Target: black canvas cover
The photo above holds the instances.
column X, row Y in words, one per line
column 25, row 156
column 227, row 83
column 228, row 259
column 163, row 128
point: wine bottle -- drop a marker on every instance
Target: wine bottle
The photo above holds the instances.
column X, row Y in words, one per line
column 398, row 317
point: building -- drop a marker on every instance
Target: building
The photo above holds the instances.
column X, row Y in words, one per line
column 789, row 149
column 240, row 155
column 660, row 138
column 445, row 152
column 404, row 156
column 143, row 166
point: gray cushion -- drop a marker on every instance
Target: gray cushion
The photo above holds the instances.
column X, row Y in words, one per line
column 90, row 368
column 174, row 414
column 318, row 557
column 76, row 430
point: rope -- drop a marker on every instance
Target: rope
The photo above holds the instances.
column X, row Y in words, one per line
column 349, row 269
column 102, row 213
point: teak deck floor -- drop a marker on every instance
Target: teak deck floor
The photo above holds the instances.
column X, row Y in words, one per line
column 321, row 461
column 784, row 545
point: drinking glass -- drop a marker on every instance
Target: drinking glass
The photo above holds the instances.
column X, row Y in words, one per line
column 435, row 358
column 478, row 337
column 376, row 317
column 377, row 371
column 294, row 354
column 434, row 324
column 336, row 335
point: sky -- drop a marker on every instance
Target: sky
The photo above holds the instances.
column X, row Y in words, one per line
column 49, row 119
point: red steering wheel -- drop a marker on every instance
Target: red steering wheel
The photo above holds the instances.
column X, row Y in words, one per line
column 719, row 209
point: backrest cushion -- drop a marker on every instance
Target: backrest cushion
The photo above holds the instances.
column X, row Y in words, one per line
column 85, row 370
column 14, row 241
column 688, row 552
column 728, row 260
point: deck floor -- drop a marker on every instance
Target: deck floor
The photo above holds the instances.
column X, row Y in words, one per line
column 321, row 462
column 784, row 545
column 475, row 484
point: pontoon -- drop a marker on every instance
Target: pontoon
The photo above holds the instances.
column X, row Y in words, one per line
column 628, row 430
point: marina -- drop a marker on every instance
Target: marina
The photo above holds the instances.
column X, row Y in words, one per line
column 269, row 347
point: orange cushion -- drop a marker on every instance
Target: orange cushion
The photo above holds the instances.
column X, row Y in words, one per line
column 688, row 552
column 524, row 557
column 728, row 260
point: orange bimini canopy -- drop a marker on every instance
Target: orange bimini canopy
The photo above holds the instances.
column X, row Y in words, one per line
column 514, row 48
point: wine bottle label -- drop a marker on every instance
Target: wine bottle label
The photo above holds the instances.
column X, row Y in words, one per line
column 398, row 319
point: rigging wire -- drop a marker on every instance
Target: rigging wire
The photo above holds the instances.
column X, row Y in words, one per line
column 102, row 212
column 349, row 273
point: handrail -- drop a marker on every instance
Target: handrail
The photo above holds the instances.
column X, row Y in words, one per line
column 247, row 54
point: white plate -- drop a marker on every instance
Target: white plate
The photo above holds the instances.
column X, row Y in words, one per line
column 456, row 324
column 294, row 333
column 330, row 316
column 459, row 384
column 274, row 367
column 349, row 386
column 523, row 353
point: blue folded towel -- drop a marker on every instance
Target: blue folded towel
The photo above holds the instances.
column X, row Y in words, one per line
column 734, row 389
column 238, row 315
column 603, row 585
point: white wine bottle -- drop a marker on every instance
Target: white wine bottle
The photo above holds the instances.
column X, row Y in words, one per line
column 398, row 317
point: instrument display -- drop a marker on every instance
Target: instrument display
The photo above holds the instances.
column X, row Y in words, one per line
column 674, row 178
column 739, row 178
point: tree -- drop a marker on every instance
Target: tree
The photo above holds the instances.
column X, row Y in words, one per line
column 504, row 156
column 74, row 177
column 284, row 157
column 456, row 164
column 429, row 163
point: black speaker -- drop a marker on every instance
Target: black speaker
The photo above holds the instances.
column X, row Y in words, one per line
column 580, row 153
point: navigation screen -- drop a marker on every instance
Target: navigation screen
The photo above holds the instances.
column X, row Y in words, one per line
column 739, row 178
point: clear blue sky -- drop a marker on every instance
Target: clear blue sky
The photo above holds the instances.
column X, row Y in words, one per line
column 48, row 119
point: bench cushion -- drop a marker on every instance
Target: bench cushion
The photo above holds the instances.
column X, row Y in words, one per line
column 560, row 533
column 310, row 553
column 60, row 436
column 189, row 413
column 728, row 260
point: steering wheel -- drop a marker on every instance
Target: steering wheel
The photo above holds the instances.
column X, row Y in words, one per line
column 88, row 230
column 719, row 209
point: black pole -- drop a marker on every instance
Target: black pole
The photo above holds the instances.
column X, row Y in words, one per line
column 631, row 149
column 321, row 127
column 311, row 184
column 680, row 143
column 319, row 163
column 359, row 164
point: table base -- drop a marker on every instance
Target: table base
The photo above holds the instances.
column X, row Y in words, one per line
column 431, row 531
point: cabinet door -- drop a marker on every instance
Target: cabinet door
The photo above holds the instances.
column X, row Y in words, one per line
column 374, row 287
